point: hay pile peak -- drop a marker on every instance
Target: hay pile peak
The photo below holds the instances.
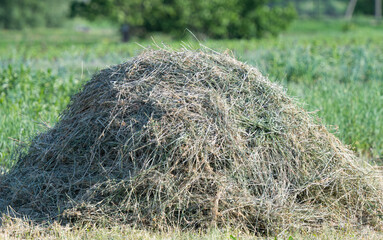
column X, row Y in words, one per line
column 190, row 139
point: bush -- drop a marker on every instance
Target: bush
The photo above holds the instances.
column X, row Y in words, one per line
column 19, row 14
column 216, row 18
column 365, row 7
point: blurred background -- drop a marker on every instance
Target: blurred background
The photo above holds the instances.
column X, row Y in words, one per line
column 209, row 19
column 326, row 53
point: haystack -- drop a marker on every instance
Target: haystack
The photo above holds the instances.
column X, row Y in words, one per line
column 190, row 139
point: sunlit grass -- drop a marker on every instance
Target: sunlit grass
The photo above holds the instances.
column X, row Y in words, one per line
column 20, row 229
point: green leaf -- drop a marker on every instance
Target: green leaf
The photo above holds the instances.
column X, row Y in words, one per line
column 232, row 237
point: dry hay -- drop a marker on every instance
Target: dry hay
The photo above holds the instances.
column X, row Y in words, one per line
column 190, row 139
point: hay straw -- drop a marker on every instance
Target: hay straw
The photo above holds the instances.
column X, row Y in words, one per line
column 190, row 139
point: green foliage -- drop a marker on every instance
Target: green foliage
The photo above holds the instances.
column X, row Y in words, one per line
column 216, row 18
column 365, row 7
column 19, row 14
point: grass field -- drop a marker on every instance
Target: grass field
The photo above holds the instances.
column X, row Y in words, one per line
column 334, row 68
column 20, row 230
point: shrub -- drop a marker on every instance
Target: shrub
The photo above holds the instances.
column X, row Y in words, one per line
column 216, row 18
column 19, row 14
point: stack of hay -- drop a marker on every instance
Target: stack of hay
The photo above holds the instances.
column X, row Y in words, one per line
column 190, row 139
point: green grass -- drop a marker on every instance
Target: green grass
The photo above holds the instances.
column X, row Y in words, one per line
column 29, row 98
column 343, row 83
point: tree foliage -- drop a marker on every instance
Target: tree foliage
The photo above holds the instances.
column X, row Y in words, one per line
column 18, row 14
column 215, row 18
column 365, row 7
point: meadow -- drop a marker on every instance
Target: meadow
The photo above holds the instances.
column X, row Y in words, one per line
column 334, row 68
